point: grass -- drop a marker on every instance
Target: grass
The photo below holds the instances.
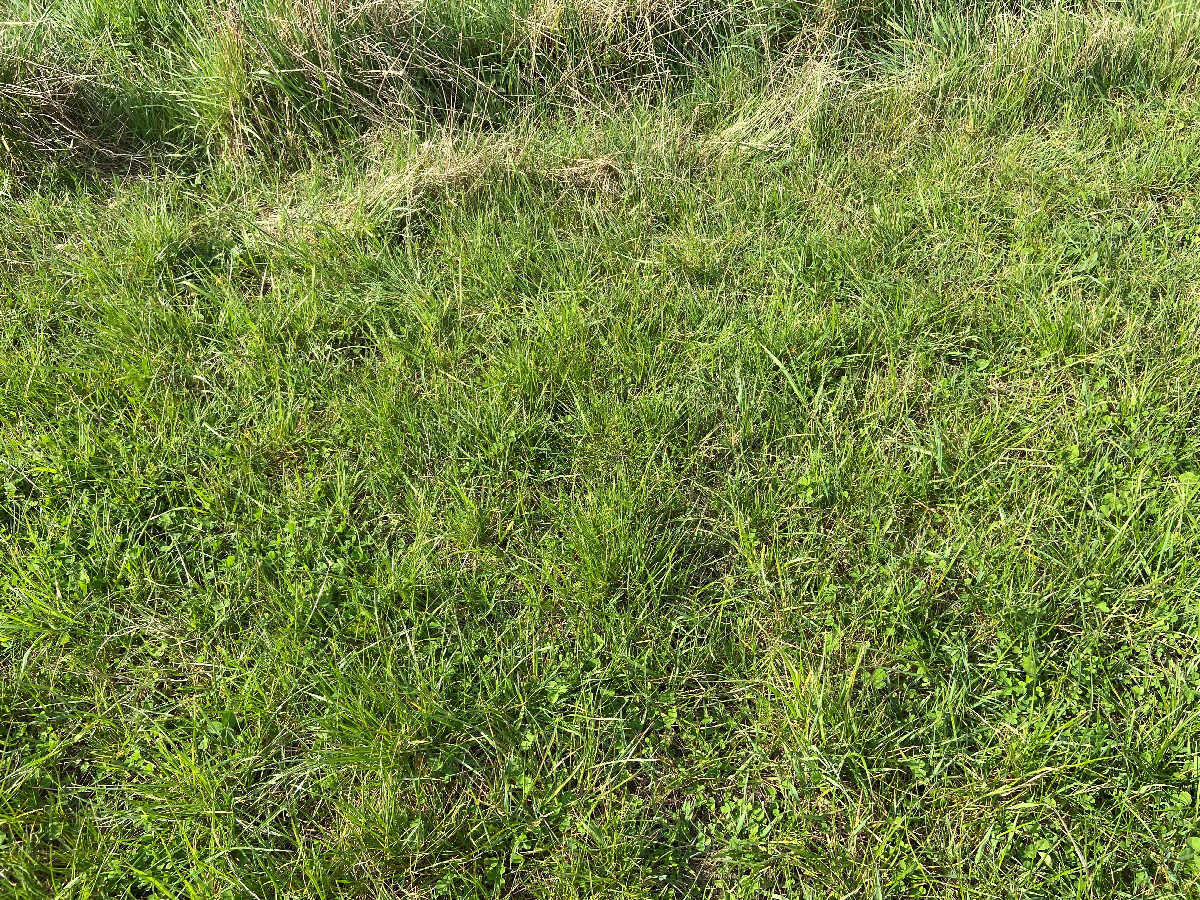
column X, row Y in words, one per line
column 637, row 450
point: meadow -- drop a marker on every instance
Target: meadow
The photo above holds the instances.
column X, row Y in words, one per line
column 599, row 448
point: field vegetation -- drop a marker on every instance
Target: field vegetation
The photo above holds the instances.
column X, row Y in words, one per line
column 599, row 448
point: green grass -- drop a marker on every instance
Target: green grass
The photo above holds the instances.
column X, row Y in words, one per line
column 573, row 450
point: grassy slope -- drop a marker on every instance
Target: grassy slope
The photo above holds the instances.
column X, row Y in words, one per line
column 787, row 486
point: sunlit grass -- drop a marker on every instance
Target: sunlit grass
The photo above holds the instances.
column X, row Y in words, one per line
column 491, row 452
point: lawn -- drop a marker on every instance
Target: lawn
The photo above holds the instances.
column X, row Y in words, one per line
column 599, row 448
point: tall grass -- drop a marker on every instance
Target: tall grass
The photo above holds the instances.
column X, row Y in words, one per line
column 123, row 82
column 200, row 78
